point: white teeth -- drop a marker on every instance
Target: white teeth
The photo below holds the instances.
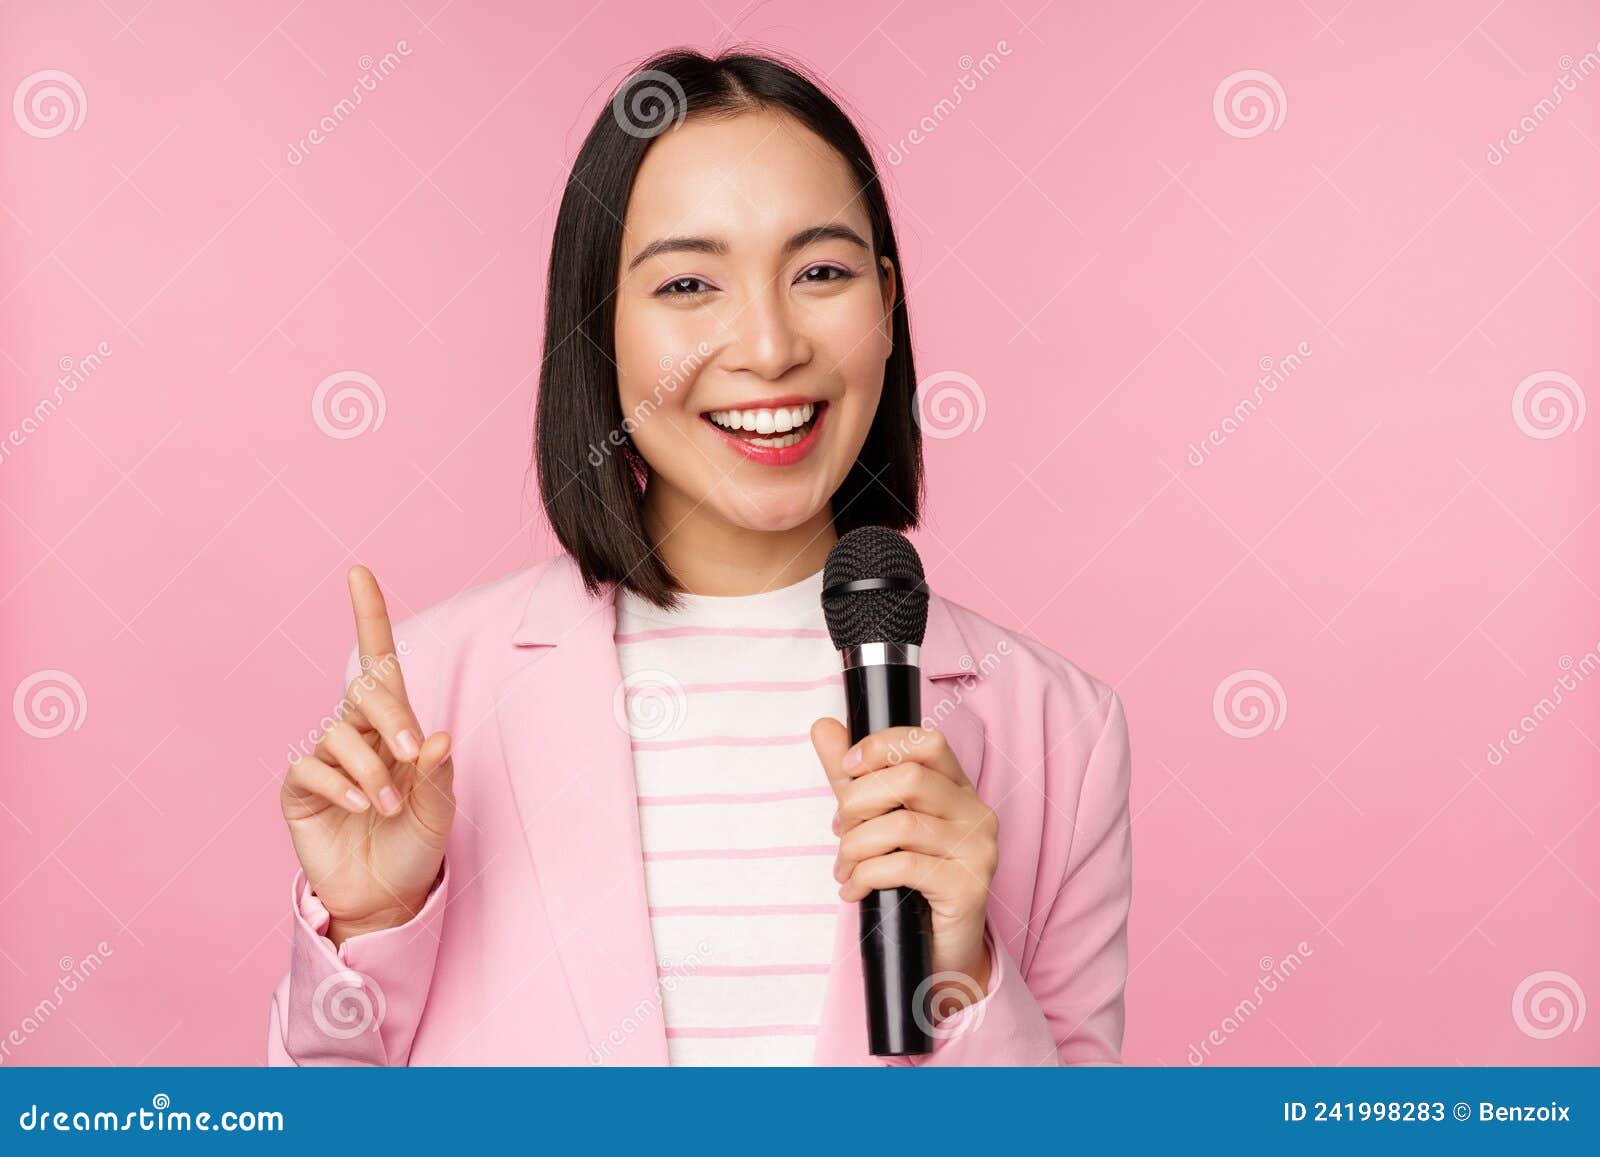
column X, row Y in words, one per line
column 777, row 443
column 766, row 421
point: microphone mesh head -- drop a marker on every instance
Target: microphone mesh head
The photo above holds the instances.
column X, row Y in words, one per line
column 883, row 616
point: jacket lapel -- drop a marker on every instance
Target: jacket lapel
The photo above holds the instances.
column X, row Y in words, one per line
column 571, row 771
column 842, row 1035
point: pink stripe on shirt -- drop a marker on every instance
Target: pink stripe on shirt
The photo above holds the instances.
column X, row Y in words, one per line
column 720, row 633
column 743, row 853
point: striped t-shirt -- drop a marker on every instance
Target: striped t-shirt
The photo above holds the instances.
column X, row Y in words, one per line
column 735, row 814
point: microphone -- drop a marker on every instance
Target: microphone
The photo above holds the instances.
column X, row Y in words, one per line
column 875, row 599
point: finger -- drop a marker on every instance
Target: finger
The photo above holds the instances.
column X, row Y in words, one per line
column 388, row 714
column 309, row 778
column 342, row 744
column 909, row 785
column 374, row 635
column 899, row 830
column 899, row 870
column 831, row 741
column 895, row 745
column 431, row 793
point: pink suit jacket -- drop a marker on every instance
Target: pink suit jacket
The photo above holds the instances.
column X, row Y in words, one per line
column 535, row 948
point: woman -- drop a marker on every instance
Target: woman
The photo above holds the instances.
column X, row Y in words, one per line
column 654, row 847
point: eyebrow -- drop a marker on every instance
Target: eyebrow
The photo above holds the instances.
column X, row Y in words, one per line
column 719, row 248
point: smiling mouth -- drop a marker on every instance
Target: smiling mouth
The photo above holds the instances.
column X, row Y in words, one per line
column 774, row 428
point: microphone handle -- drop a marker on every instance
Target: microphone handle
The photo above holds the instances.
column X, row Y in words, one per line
column 896, row 923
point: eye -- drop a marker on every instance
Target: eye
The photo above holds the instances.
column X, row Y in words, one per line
column 684, row 287
column 826, row 273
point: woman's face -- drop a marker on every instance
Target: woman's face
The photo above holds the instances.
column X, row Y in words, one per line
column 752, row 322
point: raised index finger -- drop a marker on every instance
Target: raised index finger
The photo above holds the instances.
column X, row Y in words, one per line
column 374, row 635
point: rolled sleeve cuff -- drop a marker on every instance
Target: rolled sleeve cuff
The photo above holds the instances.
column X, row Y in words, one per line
column 1005, row 1026
column 360, row 1002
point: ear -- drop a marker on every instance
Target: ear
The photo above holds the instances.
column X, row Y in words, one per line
column 891, row 288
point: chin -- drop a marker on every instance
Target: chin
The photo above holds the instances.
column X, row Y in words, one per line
column 773, row 511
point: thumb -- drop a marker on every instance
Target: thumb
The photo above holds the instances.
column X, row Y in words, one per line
column 832, row 740
column 432, row 795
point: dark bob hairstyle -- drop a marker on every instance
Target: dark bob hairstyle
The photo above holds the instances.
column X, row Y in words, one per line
column 591, row 477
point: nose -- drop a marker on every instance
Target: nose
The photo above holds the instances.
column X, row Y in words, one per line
column 765, row 337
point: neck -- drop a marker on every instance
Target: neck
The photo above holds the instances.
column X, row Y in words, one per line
column 710, row 556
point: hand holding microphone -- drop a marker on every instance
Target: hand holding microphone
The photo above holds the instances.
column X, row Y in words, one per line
column 917, row 846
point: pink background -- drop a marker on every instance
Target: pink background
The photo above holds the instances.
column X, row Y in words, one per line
column 1082, row 237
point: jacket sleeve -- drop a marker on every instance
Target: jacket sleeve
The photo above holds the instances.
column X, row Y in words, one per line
column 359, row 1003
column 1067, row 1009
